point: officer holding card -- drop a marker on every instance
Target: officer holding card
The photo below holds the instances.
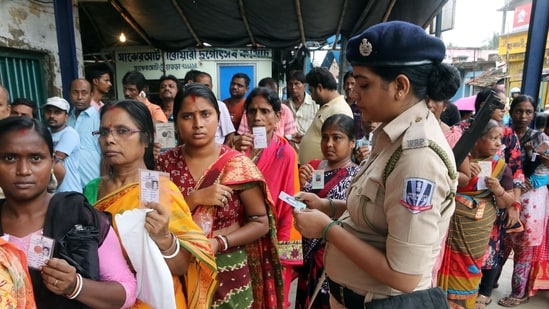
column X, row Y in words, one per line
column 381, row 251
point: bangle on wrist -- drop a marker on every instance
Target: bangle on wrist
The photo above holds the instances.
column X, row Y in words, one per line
column 77, row 288
column 174, row 240
column 327, row 227
column 223, row 243
column 334, row 209
column 516, row 205
column 176, row 252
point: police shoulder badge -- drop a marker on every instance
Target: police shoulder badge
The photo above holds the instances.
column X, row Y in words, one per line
column 418, row 194
column 365, row 47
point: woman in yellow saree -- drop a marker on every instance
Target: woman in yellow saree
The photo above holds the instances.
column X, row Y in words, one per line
column 183, row 245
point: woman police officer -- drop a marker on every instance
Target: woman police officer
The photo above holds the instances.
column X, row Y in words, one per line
column 382, row 250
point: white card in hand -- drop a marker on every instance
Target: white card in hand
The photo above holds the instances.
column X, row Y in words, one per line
column 39, row 251
column 318, row 179
column 481, row 183
column 165, row 134
column 260, row 137
column 291, row 200
column 149, row 185
column 485, row 168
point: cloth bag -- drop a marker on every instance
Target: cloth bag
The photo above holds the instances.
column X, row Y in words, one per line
column 154, row 279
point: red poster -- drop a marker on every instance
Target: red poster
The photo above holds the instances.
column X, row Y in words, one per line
column 522, row 16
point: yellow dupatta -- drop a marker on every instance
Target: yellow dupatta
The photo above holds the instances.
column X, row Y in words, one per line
column 200, row 281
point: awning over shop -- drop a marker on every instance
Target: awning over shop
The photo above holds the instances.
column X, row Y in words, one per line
column 177, row 24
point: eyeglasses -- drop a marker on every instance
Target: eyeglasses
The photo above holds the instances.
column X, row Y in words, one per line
column 119, row 132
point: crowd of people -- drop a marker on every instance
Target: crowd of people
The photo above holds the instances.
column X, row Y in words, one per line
column 358, row 197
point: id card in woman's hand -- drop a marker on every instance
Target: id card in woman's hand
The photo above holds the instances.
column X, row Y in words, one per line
column 291, row 200
column 40, row 250
column 149, row 185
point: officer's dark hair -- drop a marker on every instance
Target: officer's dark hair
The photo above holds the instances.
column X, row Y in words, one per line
column 141, row 115
column 27, row 102
column 321, row 75
column 135, row 78
column 297, row 75
column 243, row 76
column 437, row 81
column 342, row 122
column 11, row 124
column 194, row 90
column 267, row 93
column 172, row 78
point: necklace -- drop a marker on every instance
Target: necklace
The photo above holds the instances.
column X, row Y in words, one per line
column 255, row 154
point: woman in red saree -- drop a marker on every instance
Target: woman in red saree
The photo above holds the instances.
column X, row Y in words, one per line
column 337, row 144
column 278, row 163
column 229, row 199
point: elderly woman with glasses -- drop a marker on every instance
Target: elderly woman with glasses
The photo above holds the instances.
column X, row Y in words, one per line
column 126, row 138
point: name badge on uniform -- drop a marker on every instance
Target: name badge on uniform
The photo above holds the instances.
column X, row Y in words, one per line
column 318, row 179
column 418, row 194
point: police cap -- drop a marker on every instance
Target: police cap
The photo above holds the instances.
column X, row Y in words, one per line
column 395, row 43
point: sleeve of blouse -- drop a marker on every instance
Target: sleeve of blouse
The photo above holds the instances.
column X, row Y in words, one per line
column 117, row 269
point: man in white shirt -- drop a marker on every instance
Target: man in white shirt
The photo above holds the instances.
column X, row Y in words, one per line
column 301, row 104
column 225, row 129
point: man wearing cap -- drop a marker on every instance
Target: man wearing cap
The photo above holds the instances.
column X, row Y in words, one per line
column 66, row 145
column 85, row 119
column 323, row 89
column 400, row 202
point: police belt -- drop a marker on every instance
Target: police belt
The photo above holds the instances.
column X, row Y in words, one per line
column 345, row 296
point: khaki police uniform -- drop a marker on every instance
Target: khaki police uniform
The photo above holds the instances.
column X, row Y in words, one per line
column 405, row 215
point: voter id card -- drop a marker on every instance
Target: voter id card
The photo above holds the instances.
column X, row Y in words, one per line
column 39, row 251
column 291, row 200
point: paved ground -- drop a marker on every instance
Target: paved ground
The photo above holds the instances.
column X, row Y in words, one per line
column 540, row 301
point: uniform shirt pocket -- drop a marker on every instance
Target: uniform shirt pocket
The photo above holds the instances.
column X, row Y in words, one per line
column 367, row 210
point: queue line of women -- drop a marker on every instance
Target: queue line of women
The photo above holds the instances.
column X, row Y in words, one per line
column 243, row 233
column 224, row 186
column 218, row 228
